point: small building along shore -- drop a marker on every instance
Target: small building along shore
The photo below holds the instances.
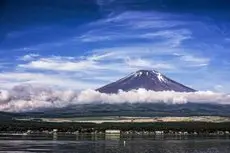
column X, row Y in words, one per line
column 112, row 132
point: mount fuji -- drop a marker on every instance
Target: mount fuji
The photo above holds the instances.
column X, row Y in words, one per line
column 147, row 79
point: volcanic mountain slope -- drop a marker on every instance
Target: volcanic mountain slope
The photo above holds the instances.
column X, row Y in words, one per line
column 147, row 79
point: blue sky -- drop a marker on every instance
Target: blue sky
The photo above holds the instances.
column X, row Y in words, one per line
column 86, row 44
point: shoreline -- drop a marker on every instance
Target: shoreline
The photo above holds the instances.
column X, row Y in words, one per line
column 127, row 133
column 158, row 128
column 129, row 119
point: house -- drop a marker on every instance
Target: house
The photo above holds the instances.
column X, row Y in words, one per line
column 55, row 130
column 159, row 132
column 112, row 131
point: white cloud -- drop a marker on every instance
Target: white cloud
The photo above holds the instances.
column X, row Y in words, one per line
column 29, row 57
column 99, row 67
column 98, row 57
column 29, row 98
column 195, row 61
column 173, row 38
column 90, row 38
column 142, row 20
column 138, row 62
column 96, row 65
column 59, row 64
column 146, row 64
column 133, row 25
column 218, row 87
column 142, row 95
column 10, row 79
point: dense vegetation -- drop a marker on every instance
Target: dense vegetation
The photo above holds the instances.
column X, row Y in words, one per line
column 200, row 127
column 126, row 109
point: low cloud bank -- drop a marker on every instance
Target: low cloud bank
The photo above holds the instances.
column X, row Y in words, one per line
column 30, row 98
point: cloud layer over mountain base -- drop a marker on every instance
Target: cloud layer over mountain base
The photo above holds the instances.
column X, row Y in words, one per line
column 31, row 98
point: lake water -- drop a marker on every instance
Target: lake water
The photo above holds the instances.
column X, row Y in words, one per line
column 113, row 144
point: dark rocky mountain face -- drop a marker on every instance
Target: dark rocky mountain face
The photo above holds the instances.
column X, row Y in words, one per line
column 147, row 79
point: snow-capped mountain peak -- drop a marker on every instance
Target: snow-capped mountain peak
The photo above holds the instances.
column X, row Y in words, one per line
column 147, row 79
column 149, row 73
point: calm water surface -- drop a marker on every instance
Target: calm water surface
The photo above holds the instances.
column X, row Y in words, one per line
column 113, row 144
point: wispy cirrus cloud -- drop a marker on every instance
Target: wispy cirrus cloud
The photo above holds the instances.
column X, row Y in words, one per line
column 113, row 61
column 133, row 26
column 60, row 64
column 171, row 38
column 142, row 20
column 97, row 68
column 147, row 64
column 29, row 57
column 112, row 47
column 195, row 60
column 61, row 81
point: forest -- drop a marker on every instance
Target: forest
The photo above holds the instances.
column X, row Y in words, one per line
column 38, row 126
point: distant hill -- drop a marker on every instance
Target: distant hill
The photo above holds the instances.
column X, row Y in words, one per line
column 7, row 116
column 135, row 109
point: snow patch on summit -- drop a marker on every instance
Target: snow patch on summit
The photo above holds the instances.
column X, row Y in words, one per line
column 160, row 77
column 155, row 71
column 140, row 73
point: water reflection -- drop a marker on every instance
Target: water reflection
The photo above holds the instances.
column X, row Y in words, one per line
column 115, row 137
column 101, row 143
column 55, row 136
